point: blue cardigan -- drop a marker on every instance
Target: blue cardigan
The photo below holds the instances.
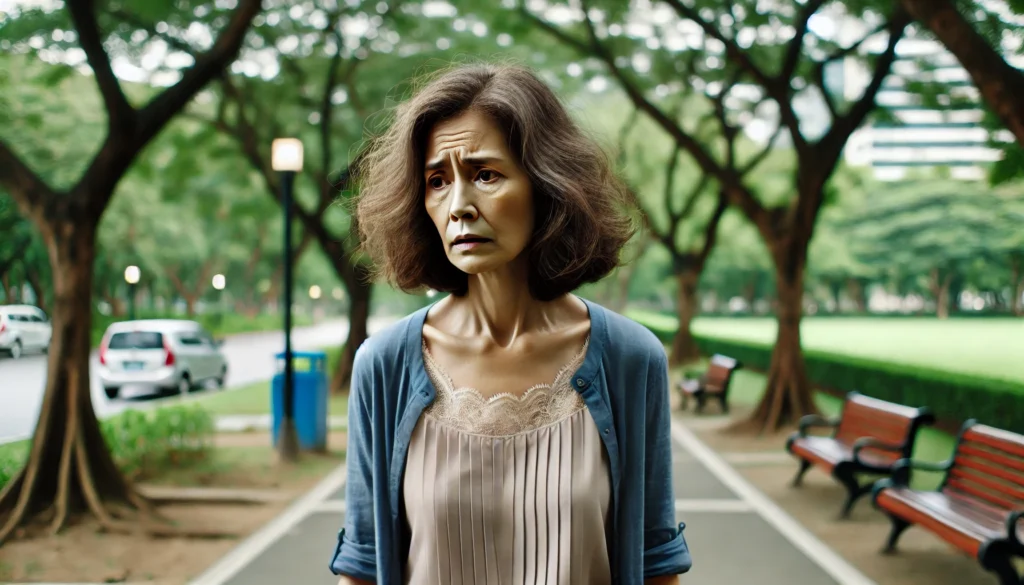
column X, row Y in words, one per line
column 624, row 382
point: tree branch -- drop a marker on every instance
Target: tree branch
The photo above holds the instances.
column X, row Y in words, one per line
column 834, row 140
column 96, row 186
column 120, row 114
column 711, row 230
column 1001, row 84
column 778, row 88
column 818, row 74
column 29, row 191
column 796, row 44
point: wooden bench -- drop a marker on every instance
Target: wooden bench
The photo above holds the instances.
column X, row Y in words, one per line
column 712, row 383
column 869, row 436
column 978, row 505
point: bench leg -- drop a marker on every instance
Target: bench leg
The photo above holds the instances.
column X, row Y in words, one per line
column 999, row 560
column 853, row 488
column 701, row 399
column 804, row 466
column 1003, row 568
column 725, row 403
column 898, row 526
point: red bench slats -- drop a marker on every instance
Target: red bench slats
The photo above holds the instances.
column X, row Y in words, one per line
column 983, row 486
column 986, row 469
column 993, row 456
column 892, row 425
column 997, row 438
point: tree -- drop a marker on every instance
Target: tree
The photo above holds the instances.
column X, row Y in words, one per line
column 69, row 468
column 786, row 70
column 666, row 220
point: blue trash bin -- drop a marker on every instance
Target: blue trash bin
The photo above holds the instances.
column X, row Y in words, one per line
column 309, row 372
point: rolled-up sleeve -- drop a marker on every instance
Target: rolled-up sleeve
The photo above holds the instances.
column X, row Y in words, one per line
column 665, row 548
column 355, row 552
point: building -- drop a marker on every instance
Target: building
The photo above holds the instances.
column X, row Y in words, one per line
column 911, row 135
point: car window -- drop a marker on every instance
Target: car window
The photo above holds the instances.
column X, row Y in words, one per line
column 33, row 318
column 136, row 340
column 189, row 339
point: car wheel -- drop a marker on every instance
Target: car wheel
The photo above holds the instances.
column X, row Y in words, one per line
column 184, row 385
column 16, row 350
column 223, row 378
column 111, row 392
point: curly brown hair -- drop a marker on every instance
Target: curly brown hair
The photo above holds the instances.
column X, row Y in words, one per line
column 582, row 210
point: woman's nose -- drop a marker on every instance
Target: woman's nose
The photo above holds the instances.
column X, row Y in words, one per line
column 462, row 205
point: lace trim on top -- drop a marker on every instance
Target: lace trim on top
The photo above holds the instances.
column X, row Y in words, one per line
column 466, row 409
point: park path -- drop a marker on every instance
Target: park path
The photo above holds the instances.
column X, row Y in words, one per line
column 736, row 534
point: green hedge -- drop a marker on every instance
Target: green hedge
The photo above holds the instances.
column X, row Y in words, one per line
column 141, row 442
column 952, row 397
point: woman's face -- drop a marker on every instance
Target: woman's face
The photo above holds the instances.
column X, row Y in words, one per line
column 477, row 195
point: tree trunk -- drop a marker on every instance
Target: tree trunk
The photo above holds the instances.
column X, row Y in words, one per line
column 8, row 290
column 1017, row 284
column 358, row 321
column 684, row 347
column 70, row 468
column 788, row 393
column 855, row 289
column 190, row 305
column 940, row 290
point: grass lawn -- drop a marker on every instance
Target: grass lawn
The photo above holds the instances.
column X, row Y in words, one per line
column 255, row 399
column 990, row 347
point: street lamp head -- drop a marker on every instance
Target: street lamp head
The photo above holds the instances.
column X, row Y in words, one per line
column 314, row 292
column 286, row 154
column 219, row 281
column 132, row 274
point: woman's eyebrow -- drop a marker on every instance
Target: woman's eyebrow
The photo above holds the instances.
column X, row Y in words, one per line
column 472, row 160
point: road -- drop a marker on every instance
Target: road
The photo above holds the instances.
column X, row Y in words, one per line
column 249, row 356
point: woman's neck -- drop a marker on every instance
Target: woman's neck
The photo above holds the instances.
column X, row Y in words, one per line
column 498, row 305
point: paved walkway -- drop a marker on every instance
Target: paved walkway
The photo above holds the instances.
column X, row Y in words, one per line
column 735, row 533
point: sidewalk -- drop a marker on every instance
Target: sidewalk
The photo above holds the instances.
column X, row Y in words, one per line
column 736, row 534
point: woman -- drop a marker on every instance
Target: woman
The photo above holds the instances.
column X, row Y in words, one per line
column 511, row 432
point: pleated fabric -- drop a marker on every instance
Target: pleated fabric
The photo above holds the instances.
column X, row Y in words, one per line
column 522, row 508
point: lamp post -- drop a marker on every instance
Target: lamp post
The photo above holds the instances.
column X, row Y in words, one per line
column 131, row 276
column 219, row 282
column 286, row 159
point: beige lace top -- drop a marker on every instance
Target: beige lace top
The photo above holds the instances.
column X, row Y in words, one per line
column 508, row 489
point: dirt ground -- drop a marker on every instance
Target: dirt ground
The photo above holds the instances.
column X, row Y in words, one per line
column 83, row 554
column 921, row 559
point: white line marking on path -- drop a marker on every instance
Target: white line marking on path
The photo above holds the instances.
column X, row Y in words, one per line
column 713, row 506
column 840, row 570
column 252, row 547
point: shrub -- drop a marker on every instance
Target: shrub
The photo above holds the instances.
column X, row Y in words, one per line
column 141, row 442
column 951, row 396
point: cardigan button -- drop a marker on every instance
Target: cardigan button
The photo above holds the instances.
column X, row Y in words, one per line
column 580, row 382
column 606, row 431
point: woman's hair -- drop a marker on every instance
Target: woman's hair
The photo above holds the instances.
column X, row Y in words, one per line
column 581, row 209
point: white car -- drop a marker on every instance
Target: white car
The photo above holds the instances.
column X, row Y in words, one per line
column 24, row 328
column 169, row 354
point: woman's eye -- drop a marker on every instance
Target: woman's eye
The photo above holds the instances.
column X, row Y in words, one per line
column 487, row 176
column 436, row 182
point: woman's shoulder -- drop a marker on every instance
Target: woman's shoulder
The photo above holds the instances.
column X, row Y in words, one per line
column 627, row 339
column 389, row 344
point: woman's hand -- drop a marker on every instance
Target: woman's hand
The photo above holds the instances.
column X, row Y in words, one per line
column 663, row 580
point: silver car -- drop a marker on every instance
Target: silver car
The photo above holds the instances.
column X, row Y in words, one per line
column 24, row 328
column 169, row 354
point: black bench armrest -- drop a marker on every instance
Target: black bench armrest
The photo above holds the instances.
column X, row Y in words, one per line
column 901, row 469
column 865, row 442
column 814, row 420
column 1011, row 527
